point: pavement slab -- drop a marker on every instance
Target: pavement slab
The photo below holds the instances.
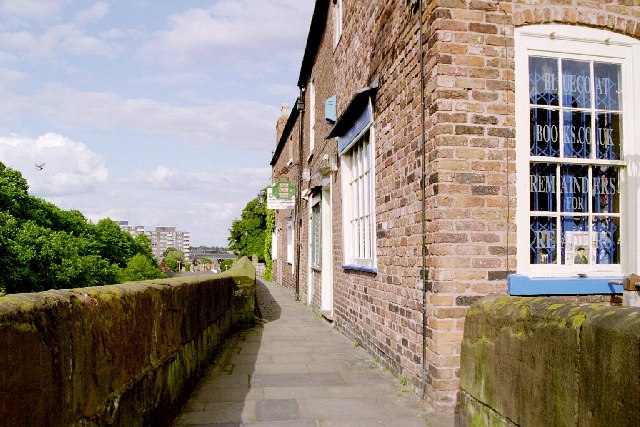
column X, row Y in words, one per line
column 295, row 370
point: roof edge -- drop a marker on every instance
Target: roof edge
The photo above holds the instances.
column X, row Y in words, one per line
column 316, row 31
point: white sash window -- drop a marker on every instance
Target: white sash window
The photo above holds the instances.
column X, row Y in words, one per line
column 576, row 140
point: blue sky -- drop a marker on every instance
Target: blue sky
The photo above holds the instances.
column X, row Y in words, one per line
column 158, row 112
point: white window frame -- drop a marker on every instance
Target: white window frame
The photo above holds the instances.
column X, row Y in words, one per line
column 338, row 20
column 358, row 189
column 274, row 244
column 573, row 42
column 290, row 240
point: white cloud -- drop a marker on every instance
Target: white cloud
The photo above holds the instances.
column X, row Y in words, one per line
column 69, row 166
column 68, row 38
column 221, row 182
column 248, row 29
column 237, row 123
column 96, row 12
column 38, row 10
column 11, row 76
column 285, row 91
column 163, row 178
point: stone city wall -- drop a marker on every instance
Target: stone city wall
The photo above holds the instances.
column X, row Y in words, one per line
column 548, row 361
column 125, row 354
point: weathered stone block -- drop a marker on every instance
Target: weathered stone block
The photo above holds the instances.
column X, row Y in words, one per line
column 609, row 368
column 115, row 355
column 546, row 361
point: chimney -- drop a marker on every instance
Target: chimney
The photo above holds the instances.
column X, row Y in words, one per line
column 282, row 121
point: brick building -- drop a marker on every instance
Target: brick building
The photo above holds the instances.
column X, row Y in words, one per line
column 448, row 149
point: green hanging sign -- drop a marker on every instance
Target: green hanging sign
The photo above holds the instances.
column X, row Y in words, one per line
column 281, row 195
column 283, row 190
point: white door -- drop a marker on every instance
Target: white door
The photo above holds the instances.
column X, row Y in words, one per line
column 326, row 282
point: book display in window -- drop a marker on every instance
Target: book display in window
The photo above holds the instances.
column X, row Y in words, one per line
column 575, row 156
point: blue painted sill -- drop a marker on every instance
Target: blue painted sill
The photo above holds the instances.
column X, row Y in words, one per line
column 522, row 285
column 360, row 268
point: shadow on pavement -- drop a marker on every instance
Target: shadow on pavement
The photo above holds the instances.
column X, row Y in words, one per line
column 268, row 307
column 224, row 396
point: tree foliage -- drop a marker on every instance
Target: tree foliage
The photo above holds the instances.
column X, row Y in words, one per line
column 44, row 247
column 247, row 234
column 140, row 267
column 174, row 258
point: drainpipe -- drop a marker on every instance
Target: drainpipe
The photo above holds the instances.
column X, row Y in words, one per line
column 423, row 191
column 300, row 107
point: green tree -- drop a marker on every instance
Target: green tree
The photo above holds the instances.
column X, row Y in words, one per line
column 205, row 260
column 247, row 234
column 112, row 243
column 142, row 246
column 45, row 259
column 14, row 192
column 174, row 258
column 140, row 267
column 226, row 264
column 8, row 229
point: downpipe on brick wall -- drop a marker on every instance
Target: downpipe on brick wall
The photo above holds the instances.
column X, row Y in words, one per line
column 298, row 218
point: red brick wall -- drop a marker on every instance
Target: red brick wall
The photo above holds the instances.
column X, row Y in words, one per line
column 470, row 146
column 470, row 192
column 383, row 311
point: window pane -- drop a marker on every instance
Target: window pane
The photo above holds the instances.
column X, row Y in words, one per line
column 576, row 84
column 574, row 188
column 608, row 90
column 577, row 134
column 609, row 135
column 545, row 134
column 607, row 240
column 543, row 81
column 542, row 187
column 575, row 240
column 543, row 240
column 606, row 190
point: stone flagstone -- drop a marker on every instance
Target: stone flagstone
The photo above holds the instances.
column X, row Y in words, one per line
column 294, row 369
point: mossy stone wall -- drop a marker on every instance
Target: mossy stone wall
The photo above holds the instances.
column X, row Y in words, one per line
column 546, row 361
column 124, row 355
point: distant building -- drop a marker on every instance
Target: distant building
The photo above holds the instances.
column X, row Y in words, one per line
column 161, row 238
column 134, row 230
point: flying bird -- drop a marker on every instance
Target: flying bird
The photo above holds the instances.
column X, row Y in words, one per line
column 40, row 166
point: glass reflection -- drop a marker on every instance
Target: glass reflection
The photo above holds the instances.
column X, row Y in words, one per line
column 608, row 92
column 543, row 81
column 576, row 84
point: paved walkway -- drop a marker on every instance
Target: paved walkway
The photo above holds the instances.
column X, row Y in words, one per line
column 296, row 370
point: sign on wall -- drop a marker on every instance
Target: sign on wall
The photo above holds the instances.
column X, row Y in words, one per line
column 281, row 195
